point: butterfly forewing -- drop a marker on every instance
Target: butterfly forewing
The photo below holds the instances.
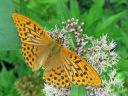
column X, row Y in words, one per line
column 34, row 40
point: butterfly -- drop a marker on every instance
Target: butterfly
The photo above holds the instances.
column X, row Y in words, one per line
column 62, row 67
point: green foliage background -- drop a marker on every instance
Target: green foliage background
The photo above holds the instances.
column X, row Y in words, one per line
column 100, row 17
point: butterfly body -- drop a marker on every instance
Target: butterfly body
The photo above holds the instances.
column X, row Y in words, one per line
column 53, row 54
column 62, row 66
column 54, row 47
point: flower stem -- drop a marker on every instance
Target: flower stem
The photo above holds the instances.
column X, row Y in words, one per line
column 78, row 91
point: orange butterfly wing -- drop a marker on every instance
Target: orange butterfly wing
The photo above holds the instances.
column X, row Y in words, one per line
column 79, row 70
column 71, row 70
column 34, row 41
column 57, row 76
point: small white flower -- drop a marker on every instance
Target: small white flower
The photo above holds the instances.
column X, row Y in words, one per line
column 73, row 19
column 82, row 23
column 69, row 20
column 112, row 45
column 72, row 24
column 81, row 30
column 77, row 20
column 63, row 22
column 79, row 27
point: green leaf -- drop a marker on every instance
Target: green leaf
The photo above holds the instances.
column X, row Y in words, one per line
column 6, row 78
column 123, row 64
column 70, row 38
column 101, row 27
column 125, row 38
column 7, row 87
column 78, row 91
column 62, row 10
column 8, row 35
column 12, row 57
column 95, row 12
column 75, row 11
column 23, row 8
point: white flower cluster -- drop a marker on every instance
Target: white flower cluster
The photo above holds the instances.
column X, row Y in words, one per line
column 101, row 53
column 59, row 36
column 50, row 90
column 74, row 29
column 103, row 58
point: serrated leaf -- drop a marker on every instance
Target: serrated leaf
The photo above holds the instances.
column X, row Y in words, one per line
column 13, row 56
column 6, row 77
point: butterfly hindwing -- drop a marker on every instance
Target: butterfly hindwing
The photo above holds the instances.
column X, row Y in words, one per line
column 57, row 77
column 54, row 72
column 34, row 40
column 70, row 69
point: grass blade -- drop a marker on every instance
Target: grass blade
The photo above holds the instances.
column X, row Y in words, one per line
column 95, row 12
column 78, row 91
column 74, row 8
column 62, row 10
column 101, row 27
